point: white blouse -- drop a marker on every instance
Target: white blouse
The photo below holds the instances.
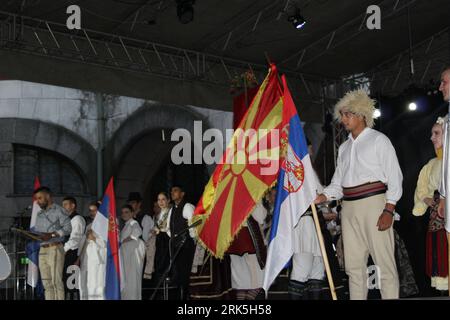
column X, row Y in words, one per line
column 368, row 158
column 131, row 229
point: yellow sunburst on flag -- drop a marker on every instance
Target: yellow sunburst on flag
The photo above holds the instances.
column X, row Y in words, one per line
column 250, row 166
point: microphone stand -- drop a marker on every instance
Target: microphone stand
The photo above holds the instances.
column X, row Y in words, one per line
column 165, row 277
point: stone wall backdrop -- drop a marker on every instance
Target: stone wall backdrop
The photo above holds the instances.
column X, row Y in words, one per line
column 53, row 132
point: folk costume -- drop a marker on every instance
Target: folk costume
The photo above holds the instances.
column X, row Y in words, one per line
column 367, row 176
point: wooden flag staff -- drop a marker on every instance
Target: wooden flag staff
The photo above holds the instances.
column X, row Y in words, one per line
column 324, row 252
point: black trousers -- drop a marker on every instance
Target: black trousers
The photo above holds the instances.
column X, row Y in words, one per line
column 69, row 259
column 182, row 266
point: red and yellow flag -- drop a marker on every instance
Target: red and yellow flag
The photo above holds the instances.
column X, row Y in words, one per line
column 249, row 166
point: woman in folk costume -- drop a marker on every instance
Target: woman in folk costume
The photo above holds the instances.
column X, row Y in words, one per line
column 92, row 259
column 426, row 200
column 132, row 251
column 160, row 249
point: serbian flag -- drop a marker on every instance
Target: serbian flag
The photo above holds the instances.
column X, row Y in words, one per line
column 248, row 168
column 296, row 190
column 106, row 226
column 32, row 248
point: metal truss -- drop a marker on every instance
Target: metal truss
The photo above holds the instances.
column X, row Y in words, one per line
column 342, row 34
column 54, row 40
column 249, row 25
column 424, row 62
column 429, row 57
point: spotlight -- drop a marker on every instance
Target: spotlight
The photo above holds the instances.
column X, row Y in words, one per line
column 412, row 106
column 377, row 113
column 297, row 20
column 185, row 10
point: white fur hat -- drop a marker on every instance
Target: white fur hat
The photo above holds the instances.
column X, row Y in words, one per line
column 357, row 102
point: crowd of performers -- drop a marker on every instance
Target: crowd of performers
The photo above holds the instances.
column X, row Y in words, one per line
column 356, row 216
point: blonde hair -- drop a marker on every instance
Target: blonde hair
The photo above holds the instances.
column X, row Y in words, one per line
column 440, row 121
column 357, row 102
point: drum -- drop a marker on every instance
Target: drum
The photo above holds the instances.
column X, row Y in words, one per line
column 5, row 264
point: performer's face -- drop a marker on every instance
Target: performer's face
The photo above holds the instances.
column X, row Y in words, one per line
column 163, row 202
column 436, row 136
column 126, row 214
column 42, row 199
column 92, row 211
column 176, row 194
column 351, row 121
column 69, row 206
column 445, row 84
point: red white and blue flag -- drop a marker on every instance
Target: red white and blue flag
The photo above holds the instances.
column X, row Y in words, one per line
column 296, row 190
column 106, row 226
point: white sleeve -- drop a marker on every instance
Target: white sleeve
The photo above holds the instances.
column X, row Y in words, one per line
column 78, row 226
column 188, row 212
column 334, row 190
column 391, row 169
column 136, row 231
column 147, row 225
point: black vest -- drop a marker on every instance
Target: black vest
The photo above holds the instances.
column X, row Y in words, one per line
column 139, row 217
column 177, row 221
column 73, row 215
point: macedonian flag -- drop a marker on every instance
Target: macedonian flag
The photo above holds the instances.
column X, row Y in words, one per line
column 249, row 166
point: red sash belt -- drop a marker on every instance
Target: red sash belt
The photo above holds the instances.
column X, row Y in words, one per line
column 364, row 191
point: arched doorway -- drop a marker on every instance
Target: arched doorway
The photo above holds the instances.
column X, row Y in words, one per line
column 146, row 167
column 141, row 149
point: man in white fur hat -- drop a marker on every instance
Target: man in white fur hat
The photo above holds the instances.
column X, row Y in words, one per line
column 369, row 180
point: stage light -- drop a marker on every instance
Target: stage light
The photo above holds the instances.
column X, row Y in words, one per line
column 376, row 114
column 185, row 10
column 297, row 20
column 412, row 106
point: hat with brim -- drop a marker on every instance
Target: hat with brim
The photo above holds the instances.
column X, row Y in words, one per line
column 134, row 196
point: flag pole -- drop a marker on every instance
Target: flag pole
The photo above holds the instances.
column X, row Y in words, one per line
column 324, row 252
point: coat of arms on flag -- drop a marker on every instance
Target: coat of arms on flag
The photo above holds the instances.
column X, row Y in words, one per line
column 293, row 180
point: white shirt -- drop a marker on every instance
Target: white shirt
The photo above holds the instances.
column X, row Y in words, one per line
column 131, row 229
column 188, row 212
column 78, row 225
column 368, row 158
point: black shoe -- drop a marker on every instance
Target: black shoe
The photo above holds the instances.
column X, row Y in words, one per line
column 315, row 289
column 297, row 290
